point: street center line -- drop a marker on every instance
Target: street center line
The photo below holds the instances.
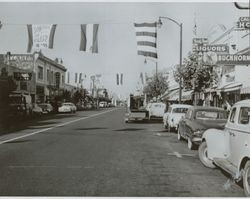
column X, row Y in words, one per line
column 59, row 125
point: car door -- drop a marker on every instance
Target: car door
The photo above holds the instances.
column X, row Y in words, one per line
column 238, row 134
column 184, row 123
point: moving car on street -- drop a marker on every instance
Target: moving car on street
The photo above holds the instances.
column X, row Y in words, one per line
column 67, row 107
column 156, row 110
column 197, row 120
column 229, row 148
column 173, row 115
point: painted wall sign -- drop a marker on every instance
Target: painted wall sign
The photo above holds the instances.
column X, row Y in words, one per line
column 21, row 61
column 243, row 23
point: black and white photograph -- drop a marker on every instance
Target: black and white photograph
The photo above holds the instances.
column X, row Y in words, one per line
column 125, row 98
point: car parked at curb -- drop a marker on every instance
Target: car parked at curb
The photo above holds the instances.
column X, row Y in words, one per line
column 229, row 148
column 46, row 108
column 67, row 107
column 156, row 110
column 197, row 120
column 172, row 117
column 36, row 110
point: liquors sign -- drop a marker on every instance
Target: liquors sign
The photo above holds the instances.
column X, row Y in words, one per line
column 220, row 48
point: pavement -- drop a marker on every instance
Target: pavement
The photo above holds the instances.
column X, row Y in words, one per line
column 95, row 153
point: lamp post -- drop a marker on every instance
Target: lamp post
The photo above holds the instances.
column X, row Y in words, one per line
column 180, row 26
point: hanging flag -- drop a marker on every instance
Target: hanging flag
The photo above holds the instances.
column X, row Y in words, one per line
column 76, row 77
column 40, row 36
column 146, row 36
column 89, row 38
column 121, row 79
column 80, row 78
column 117, row 79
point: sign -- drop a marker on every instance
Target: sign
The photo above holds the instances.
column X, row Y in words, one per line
column 243, row 23
column 200, row 41
column 229, row 59
column 19, row 76
column 219, row 48
column 21, row 61
column 41, row 35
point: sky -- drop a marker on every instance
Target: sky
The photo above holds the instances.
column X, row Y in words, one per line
column 116, row 37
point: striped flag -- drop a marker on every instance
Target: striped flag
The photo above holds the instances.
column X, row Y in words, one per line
column 121, row 79
column 89, row 38
column 146, row 36
column 80, row 78
column 117, row 79
column 40, row 36
column 76, row 74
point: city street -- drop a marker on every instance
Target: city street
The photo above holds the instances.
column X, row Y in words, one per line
column 95, row 153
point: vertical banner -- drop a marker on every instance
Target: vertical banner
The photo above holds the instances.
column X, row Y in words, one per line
column 80, row 78
column 121, row 79
column 117, row 79
column 76, row 77
column 89, row 38
column 146, row 36
column 40, row 36
column 68, row 77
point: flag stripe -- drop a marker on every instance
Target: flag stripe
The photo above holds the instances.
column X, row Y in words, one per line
column 51, row 35
column 145, row 24
column 83, row 38
column 147, row 48
column 145, row 29
column 95, row 38
column 30, row 35
column 146, row 43
column 145, row 38
column 149, row 34
column 89, row 36
column 147, row 54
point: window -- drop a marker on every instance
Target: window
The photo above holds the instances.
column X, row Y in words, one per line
column 188, row 114
column 244, row 115
column 207, row 114
column 180, row 110
column 40, row 72
column 232, row 115
column 48, row 74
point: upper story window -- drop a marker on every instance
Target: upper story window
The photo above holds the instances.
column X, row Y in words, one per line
column 40, row 72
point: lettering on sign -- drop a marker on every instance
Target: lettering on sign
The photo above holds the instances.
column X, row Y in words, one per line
column 24, row 62
column 211, row 48
column 41, row 35
column 243, row 23
column 233, row 59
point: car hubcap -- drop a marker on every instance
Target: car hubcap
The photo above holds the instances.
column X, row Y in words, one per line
column 248, row 180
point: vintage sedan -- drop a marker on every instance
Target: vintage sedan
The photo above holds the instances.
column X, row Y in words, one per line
column 197, row 120
column 67, row 107
column 229, row 148
column 173, row 115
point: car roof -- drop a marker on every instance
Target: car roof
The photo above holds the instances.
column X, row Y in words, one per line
column 207, row 108
column 180, row 106
column 243, row 102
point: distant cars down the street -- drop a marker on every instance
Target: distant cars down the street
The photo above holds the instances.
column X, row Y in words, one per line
column 173, row 115
column 197, row 120
column 229, row 148
column 36, row 110
column 46, row 108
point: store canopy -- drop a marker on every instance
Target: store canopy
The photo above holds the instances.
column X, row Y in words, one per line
column 230, row 87
column 245, row 90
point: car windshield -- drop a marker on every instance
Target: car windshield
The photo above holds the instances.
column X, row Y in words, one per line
column 206, row 114
column 43, row 105
column 67, row 104
column 158, row 105
column 180, row 110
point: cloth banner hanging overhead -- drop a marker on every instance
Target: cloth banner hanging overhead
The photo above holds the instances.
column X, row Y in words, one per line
column 40, row 36
column 89, row 38
column 146, row 37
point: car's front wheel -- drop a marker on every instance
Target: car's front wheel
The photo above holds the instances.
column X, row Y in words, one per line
column 191, row 145
column 203, row 156
column 246, row 179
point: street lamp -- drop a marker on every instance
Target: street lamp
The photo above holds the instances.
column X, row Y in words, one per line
column 180, row 26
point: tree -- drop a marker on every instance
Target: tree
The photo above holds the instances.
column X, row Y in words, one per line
column 195, row 74
column 157, row 85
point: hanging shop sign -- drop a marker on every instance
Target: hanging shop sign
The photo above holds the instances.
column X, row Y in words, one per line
column 21, row 61
column 243, row 23
column 200, row 41
column 218, row 48
column 229, row 59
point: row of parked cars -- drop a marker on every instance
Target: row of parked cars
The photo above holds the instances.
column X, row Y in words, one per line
column 222, row 138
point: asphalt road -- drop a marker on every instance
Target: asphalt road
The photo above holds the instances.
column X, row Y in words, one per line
column 95, row 153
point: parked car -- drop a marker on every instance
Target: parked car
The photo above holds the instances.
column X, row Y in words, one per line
column 36, row 110
column 67, row 107
column 46, row 108
column 172, row 117
column 103, row 104
column 229, row 148
column 197, row 120
column 156, row 110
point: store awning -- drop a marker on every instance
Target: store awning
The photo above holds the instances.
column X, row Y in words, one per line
column 174, row 95
column 230, row 87
column 245, row 90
